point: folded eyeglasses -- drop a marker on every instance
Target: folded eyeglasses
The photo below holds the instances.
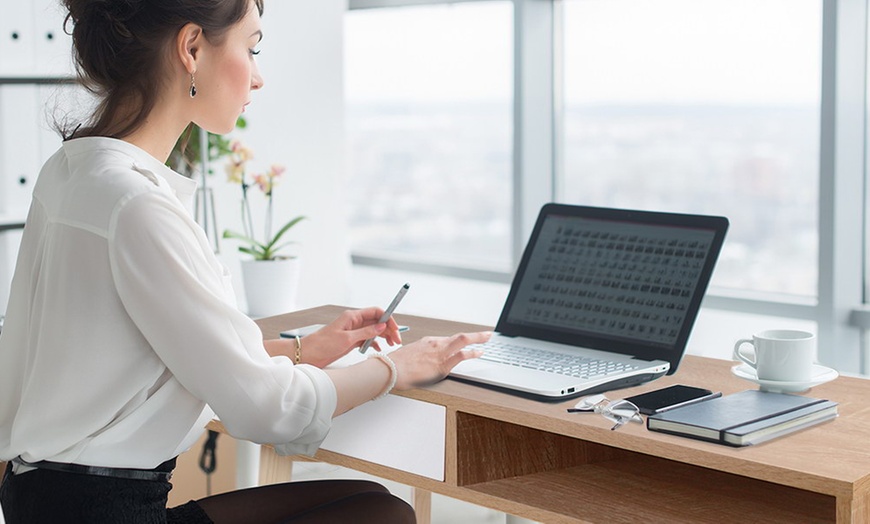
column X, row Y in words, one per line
column 617, row 411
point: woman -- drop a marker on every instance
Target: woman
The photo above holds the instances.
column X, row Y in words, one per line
column 122, row 339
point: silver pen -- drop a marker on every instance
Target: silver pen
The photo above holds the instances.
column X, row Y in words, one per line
column 387, row 314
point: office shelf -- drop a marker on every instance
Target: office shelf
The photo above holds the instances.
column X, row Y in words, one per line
column 36, row 80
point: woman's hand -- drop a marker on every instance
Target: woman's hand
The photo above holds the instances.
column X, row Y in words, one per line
column 347, row 332
column 431, row 358
column 423, row 362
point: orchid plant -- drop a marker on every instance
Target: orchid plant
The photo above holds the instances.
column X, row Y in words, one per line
column 239, row 157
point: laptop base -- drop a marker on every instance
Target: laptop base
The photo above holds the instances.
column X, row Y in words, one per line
column 620, row 383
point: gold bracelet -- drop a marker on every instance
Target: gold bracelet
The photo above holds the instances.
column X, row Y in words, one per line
column 298, row 359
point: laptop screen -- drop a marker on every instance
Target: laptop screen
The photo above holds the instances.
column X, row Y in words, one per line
column 618, row 280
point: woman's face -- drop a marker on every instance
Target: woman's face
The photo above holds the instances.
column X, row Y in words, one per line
column 227, row 75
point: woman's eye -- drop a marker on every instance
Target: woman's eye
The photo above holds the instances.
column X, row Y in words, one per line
column 254, row 52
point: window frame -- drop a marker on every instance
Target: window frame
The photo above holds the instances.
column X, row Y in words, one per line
column 839, row 309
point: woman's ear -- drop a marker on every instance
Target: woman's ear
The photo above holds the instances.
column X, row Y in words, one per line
column 187, row 44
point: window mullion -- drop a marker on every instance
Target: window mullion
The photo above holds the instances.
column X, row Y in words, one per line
column 533, row 165
column 841, row 186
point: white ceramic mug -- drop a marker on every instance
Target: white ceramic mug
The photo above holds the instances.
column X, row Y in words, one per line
column 783, row 355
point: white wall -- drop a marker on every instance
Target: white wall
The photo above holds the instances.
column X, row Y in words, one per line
column 297, row 119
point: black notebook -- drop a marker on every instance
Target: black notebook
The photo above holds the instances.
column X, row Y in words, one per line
column 745, row 418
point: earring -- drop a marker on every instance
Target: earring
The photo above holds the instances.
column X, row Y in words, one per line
column 192, row 90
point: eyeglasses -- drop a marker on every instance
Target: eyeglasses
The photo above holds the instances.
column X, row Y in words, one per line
column 617, row 411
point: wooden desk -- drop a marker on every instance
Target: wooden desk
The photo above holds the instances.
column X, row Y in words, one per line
column 534, row 460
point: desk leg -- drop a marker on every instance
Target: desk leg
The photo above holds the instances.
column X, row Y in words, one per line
column 422, row 502
column 247, row 464
column 273, row 467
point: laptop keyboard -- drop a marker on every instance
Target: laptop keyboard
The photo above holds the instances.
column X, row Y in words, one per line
column 552, row 362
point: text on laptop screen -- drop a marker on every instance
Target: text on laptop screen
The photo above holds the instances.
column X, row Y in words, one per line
column 603, row 278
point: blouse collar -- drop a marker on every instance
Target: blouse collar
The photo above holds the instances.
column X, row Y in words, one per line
column 183, row 187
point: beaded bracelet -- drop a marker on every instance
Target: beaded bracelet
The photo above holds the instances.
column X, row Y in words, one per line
column 394, row 373
column 298, row 358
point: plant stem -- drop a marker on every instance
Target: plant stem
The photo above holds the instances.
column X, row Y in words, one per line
column 247, row 221
column 268, row 237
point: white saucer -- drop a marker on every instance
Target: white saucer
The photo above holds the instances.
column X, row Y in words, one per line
column 821, row 374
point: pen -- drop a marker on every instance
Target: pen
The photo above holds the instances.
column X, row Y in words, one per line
column 387, row 314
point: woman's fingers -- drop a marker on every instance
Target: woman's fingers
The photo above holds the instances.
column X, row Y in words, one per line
column 432, row 358
column 461, row 340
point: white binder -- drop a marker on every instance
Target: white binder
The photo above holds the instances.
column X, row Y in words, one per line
column 17, row 39
column 20, row 115
column 20, row 118
column 53, row 47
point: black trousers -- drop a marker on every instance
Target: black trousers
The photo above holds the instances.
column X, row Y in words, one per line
column 48, row 497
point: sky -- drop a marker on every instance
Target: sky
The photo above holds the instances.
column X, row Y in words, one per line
column 616, row 51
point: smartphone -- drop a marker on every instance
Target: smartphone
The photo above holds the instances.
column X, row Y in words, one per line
column 307, row 330
column 671, row 397
column 301, row 332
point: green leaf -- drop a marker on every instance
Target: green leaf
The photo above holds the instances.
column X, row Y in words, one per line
column 284, row 229
column 246, row 239
column 277, row 249
column 239, row 236
column 257, row 254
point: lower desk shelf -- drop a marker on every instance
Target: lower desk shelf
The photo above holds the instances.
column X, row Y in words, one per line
column 656, row 490
column 574, row 480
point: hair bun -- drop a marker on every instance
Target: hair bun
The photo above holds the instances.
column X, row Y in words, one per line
column 103, row 31
column 108, row 19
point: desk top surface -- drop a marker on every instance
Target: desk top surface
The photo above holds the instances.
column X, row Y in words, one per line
column 835, row 453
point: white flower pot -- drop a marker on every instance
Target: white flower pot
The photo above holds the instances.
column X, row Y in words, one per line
column 270, row 286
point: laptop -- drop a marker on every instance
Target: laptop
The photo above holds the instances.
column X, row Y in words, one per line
column 602, row 299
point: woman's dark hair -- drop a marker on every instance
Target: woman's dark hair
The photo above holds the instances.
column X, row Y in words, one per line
column 121, row 52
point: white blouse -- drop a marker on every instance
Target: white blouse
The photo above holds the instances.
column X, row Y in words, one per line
column 122, row 333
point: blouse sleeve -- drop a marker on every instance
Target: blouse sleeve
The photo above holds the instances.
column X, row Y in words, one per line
column 176, row 292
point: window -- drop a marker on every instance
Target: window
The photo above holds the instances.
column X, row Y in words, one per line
column 702, row 106
column 728, row 107
column 430, row 125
